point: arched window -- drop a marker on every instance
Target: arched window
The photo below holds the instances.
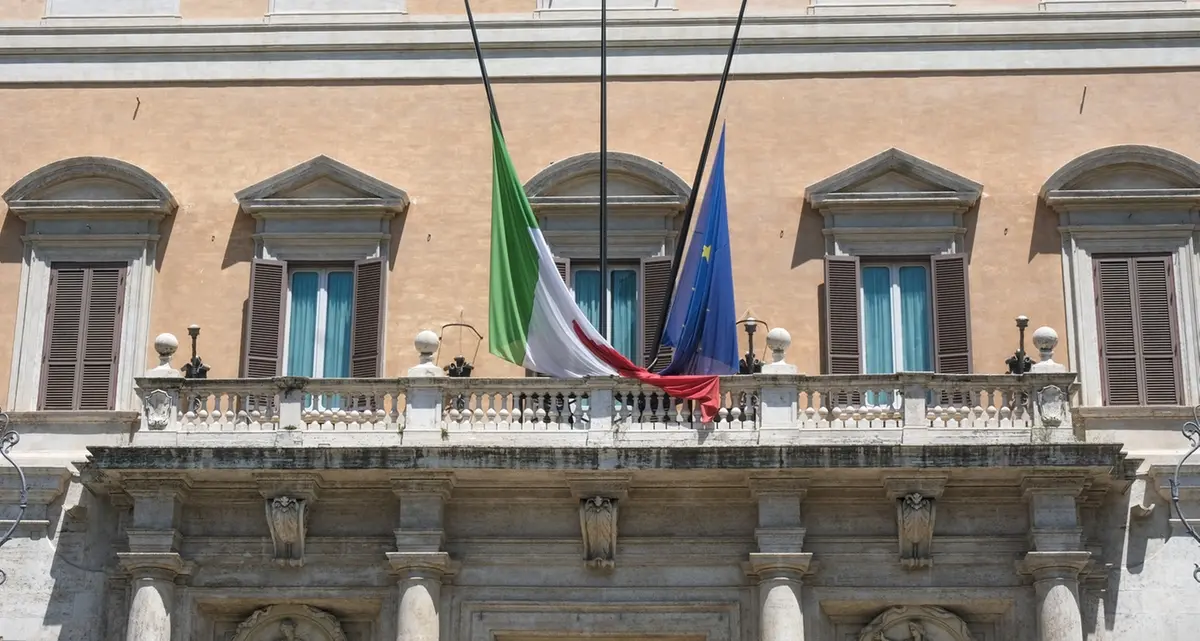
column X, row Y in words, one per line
column 1128, row 220
column 645, row 207
column 91, row 237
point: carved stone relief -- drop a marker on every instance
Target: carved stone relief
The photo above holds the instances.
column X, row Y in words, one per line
column 158, row 410
column 914, row 515
column 598, row 520
column 287, row 519
column 1052, row 404
column 916, row 623
column 290, row 623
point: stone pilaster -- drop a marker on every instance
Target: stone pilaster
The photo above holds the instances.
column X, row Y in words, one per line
column 1057, row 556
column 419, row 562
column 780, row 564
column 153, row 560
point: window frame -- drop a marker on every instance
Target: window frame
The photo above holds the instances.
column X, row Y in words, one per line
column 323, row 271
column 897, row 320
column 586, row 264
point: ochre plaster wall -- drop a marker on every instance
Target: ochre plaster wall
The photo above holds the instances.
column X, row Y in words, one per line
column 1007, row 132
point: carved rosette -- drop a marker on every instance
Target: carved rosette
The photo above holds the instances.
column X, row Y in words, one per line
column 916, row 623
column 287, row 519
column 914, row 515
column 598, row 520
column 290, row 623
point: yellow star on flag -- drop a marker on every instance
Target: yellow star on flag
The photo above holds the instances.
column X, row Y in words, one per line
column 706, row 252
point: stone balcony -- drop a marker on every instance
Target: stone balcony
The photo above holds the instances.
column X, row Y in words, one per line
column 909, row 409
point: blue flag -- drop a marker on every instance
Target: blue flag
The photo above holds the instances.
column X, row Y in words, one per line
column 702, row 323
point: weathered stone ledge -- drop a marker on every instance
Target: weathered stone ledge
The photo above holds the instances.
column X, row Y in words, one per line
column 1081, row 455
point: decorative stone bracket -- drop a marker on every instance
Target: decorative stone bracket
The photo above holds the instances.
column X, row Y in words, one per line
column 288, row 498
column 916, row 508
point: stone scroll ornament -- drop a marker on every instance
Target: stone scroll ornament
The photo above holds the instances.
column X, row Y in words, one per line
column 598, row 520
column 287, row 519
column 914, row 513
column 916, row 623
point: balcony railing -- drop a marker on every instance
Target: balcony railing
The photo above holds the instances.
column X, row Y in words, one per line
column 766, row 409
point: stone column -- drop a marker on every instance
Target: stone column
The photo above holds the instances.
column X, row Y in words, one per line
column 1056, row 585
column 152, row 582
column 1057, row 557
column 419, row 562
column 780, row 565
column 780, row 611
column 153, row 560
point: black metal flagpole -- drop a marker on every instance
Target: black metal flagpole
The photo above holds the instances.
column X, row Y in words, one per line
column 604, row 285
column 487, row 83
column 690, row 209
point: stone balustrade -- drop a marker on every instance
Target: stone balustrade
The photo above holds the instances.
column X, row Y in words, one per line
column 777, row 407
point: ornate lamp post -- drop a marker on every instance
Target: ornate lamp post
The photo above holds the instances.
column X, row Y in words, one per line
column 750, row 363
column 8, row 439
column 1020, row 363
column 195, row 368
column 1191, row 431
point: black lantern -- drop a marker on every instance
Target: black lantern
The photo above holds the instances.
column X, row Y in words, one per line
column 750, row 363
column 195, row 368
column 1019, row 363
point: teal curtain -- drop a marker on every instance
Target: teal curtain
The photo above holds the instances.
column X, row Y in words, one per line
column 877, row 320
column 337, row 324
column 587, row 294
column 624, row 312
column 302, row 320
column 916, row 323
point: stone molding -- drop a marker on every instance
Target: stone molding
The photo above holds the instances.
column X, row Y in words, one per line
column 766, row 565
column 335, row 11
column 294, row 484
column 44, row 484
column 150, row 484
column 130, row 50
column 930, row 485
column 618, row 163
column 611, row 485
column 86, row 209
column 1059, row 484
column 439, row 484
column 1054, row 565
column 776, row 485
column 322, row 209
column 434, row 565
column 894, row 203
column 1127, row 199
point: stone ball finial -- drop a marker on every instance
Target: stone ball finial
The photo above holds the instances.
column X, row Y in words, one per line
column 165, row 345
column 778, row 340
column 426, row 343
column 1045, row 339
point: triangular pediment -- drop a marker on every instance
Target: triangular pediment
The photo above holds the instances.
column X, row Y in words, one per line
column 322, row 180
column 895, row 175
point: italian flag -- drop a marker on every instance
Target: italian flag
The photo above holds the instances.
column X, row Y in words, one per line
column 533, row 320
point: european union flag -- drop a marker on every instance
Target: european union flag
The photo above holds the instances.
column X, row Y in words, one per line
column 702, row 323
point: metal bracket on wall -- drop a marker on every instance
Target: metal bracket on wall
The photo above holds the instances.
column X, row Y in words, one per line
column 8, row 439
column 1191, row 431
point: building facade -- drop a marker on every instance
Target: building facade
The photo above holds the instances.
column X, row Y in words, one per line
column 307, row 182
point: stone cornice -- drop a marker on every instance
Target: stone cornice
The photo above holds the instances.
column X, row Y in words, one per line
column 1099, row 457
column 440, row 48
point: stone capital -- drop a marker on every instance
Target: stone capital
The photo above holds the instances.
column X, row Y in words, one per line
column 297, row 485
column 164, row 566
column 440, row 484
column 779, row 485
column 766, row 565
column 427, row 565
column 151, row 541
column 610, row 485
column 1066, row 484
column 927, row 485
column 1054, row 565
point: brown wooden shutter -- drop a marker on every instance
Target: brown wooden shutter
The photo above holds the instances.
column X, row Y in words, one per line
column 656, row 288
column 264, row 319
column 564, row 269
column 1135, row 310
column 366, row 333
column 951, row 314
column 83, row 335
column 1157, row 331
column 843, row 343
